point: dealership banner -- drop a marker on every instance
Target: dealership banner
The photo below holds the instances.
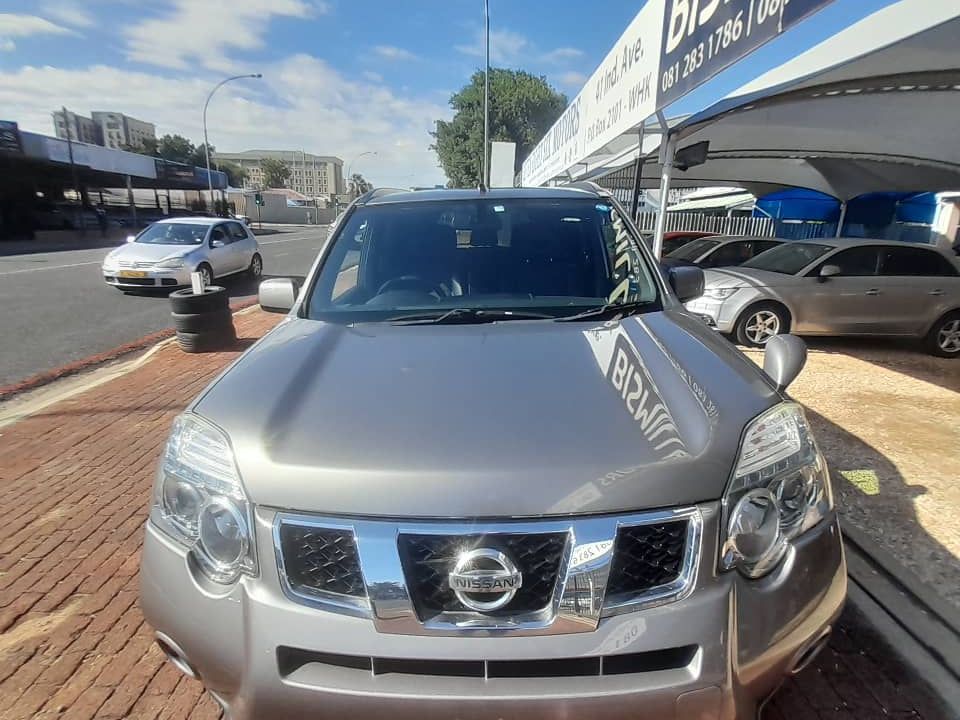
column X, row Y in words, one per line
column 702, row 37
column 671, row 47
column 621, row 90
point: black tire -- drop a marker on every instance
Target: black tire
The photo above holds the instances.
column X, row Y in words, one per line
column 772, row 314
column 184, row 302
column 207, row 272
column 206, row 342
column 256, row 266
column 942, row 340
column 215, row 321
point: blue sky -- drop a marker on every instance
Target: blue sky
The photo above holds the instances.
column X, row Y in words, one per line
column 340, row 77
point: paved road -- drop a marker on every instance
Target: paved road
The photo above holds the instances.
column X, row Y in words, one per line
column 55, row 308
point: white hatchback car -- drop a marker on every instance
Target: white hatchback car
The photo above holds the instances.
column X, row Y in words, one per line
column 166, row 252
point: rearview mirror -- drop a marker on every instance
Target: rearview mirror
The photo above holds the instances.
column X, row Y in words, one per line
column 278, row 295
column 687, row 282
column 829, row 271
column 783, row 358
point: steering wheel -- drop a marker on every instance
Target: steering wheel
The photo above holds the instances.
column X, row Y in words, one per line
column 411, row 282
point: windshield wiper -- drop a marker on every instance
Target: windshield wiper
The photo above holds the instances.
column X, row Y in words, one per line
column 466, row 316
column 610, row 311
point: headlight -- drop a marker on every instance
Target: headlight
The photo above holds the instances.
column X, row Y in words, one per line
column 171, row 263
column 780, row 489
column 199, row 501
column 719, row 293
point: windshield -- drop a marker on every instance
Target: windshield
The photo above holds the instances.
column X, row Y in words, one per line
column 173, row 234
column 538, row 258
column 789, row 258
column 693, row 250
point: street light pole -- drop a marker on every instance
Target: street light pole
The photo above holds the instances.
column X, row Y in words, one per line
column 350, row 164
column 206, row 141
column 486, row 97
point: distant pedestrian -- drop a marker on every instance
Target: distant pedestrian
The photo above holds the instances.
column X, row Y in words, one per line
column 102, row 219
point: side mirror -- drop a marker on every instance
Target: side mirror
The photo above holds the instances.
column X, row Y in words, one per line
column 131, row 238
column 217, row 243
column 783, row 358
column 687, row 282
column 828, row 271
column 278, row 295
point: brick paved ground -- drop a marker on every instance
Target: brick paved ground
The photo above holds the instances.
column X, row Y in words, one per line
column 74, row 486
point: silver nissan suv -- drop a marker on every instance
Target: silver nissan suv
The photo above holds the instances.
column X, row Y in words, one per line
column 488, row 466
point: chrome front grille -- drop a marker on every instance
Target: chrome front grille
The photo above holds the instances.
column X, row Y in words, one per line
column 429, row 559
column 574, row 570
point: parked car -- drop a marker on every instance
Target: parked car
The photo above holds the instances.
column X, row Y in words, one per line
column 838, row 287
column 493, row 470
column 676, row 239
column 718, row 251
column 167, row 252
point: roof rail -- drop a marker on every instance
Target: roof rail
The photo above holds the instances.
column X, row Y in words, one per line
column 378, row 192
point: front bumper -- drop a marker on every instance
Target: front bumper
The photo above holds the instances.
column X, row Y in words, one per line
column 747, row 635
column 147, row 277
column 719, row 314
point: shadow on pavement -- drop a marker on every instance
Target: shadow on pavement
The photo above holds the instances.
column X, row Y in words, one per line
column 873, row 495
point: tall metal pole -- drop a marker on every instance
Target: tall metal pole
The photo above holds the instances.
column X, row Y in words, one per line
column 667, row 152
column 638, row 172
column 486, row 96
column 350, row 165
column 206, row 140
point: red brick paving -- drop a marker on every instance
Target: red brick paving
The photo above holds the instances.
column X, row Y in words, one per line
column 75, row 482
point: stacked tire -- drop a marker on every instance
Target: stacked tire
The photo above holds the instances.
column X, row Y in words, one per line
column 203, row 322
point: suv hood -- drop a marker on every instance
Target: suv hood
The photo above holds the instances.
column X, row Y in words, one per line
column 514, row 419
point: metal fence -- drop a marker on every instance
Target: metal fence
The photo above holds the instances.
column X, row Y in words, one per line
column 754, row 226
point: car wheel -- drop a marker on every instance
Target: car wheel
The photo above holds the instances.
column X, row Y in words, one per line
column 207, row 272
column 256, row 266
column 943, row 339
column 760, row 323
column 184, row 302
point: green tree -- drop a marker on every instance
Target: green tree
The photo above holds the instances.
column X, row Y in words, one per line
column 275, row 172
column 522, row 108
column 358, row 185
column 198, row 157
column 176, row 148
column 235, row 174
column 149, row 146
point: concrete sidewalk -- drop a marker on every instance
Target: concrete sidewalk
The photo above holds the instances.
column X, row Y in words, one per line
column 75, row 483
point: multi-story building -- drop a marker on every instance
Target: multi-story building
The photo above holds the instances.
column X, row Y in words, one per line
column 310, row 175
column 117, row 130
column 77, row 127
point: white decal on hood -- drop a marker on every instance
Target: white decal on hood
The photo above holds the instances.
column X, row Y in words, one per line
column 624, row 369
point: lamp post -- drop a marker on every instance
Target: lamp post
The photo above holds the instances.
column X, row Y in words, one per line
column 206, row 141
column 350, row 164
column 486, row 96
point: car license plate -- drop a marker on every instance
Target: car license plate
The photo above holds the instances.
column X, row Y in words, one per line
column 132, row 273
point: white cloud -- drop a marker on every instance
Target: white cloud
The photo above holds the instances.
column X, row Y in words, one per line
column 16, row 25
column 391, row 52
column 562, row 54
column 302, row 103
column 372, row 76
column 573, row 80
column 68, row 12
column 202, row 33
column 7, row 45
column 506, row 47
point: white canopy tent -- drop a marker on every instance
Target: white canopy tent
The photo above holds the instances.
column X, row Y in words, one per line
column 873, row 108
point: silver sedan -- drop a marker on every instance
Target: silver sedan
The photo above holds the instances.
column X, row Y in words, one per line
column 838, row 286
column 166, row 252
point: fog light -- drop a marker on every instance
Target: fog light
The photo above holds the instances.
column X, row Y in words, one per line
column 223, row 539
column 754, row 540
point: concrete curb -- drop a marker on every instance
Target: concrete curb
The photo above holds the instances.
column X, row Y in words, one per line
column 45, row 378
